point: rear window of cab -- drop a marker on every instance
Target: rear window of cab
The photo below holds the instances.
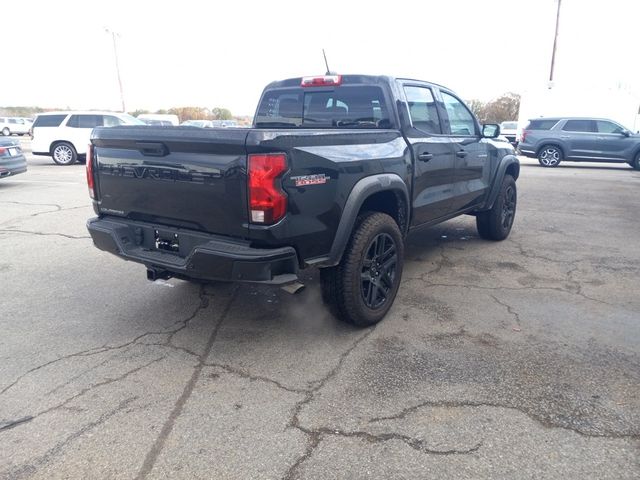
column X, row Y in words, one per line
column 348, row 106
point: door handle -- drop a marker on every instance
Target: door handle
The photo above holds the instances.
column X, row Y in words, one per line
column 461, row 154
column 425, row 157
column 565, row 136
column 152, row 149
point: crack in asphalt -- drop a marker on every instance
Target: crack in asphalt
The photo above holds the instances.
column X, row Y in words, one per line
column 259, row 378
column 415, row 443
column 99, row 384
column 29, row 469
column 535, row 256
column 485, row 287
column 402, row 414
column 106, row 348
column 45, row 234
column 167, row 428
column 9, row 424
column 510, row 309
column 315, row 437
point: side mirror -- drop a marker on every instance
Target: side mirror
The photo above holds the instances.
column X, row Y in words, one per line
column 626, row 133
column 491, row 130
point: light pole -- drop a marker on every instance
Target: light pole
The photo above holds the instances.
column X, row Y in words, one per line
column 115, row 52
column 555, row 43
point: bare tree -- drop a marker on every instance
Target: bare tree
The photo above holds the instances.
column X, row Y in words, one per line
column 502, row 109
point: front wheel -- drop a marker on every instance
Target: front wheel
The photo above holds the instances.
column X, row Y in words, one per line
column 636, row 162
column 495, row 224
column 64, row 154
column 362, row 288
column 6, row 132
column 550, row 156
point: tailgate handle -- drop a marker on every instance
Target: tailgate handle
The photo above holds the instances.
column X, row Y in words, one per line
column 153, row 149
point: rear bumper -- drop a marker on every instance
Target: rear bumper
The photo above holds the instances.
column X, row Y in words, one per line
column 10, row 166
column 200, row 256
column 526, row 150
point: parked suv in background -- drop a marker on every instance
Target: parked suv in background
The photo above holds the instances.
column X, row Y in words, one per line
column 510, row 131
column 14, row 126
column 65, row 135
column 553, row 140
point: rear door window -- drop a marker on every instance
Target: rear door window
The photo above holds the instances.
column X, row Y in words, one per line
column 542, row 124
column 422, row 109
column 49, row 120
column 85, row 121
column 579, row 126
column 356, row 106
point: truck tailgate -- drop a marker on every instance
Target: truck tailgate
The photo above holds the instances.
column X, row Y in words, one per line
column 180, row 176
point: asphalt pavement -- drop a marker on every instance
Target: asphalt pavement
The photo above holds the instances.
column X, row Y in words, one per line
column 510, row 360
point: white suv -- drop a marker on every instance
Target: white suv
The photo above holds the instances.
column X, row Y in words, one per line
column 65, row 135
column 14, row 125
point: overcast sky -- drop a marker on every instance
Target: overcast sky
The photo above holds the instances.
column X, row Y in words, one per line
column 206, row 53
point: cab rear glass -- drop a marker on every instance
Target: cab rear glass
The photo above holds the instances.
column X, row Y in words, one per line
column 347, row 106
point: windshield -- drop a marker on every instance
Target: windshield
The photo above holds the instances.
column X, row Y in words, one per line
column 355, row 106
column 130, row 120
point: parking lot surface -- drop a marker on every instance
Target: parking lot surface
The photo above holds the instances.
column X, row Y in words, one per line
column 507, row 360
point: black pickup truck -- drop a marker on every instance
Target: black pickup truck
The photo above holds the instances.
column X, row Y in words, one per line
column 335, row 172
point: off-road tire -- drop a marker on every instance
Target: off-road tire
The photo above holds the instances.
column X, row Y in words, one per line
column 344, row 286
column 495, row 224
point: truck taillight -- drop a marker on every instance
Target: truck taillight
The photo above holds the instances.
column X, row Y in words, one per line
column 321, row 81
column 267, row 201
column 523, row 136
column 90, row 179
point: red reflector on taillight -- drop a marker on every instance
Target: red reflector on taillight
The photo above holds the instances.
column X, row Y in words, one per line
column 267, row 202
column 2, row 151
column 90, row 179
column 523, row 136
column 322, row 81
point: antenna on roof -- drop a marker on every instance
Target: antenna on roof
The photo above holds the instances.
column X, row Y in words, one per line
column 326, row 63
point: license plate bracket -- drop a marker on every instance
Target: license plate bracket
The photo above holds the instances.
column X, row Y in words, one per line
column 167, row 241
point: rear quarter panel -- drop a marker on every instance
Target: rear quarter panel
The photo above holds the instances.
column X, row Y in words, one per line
column 343, row 157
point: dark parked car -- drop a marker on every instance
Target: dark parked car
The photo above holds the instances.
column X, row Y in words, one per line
column 334, row 173
column 12, row 160
column 553, row 140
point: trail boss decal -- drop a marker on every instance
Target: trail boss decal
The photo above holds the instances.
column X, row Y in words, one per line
column 304, row 180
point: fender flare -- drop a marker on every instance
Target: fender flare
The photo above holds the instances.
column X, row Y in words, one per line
column 362, row 190
column 505, row 163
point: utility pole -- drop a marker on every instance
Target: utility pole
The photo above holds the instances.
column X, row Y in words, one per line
column 115, row 52
column 555, row 44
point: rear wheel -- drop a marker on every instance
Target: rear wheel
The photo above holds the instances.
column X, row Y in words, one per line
column 63, row 153
column 550, row 156
column 362, row 288
column 6, row 132
column 495, row 224
column 636, row 162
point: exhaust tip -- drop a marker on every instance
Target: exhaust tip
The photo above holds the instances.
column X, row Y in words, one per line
column 293, row 288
